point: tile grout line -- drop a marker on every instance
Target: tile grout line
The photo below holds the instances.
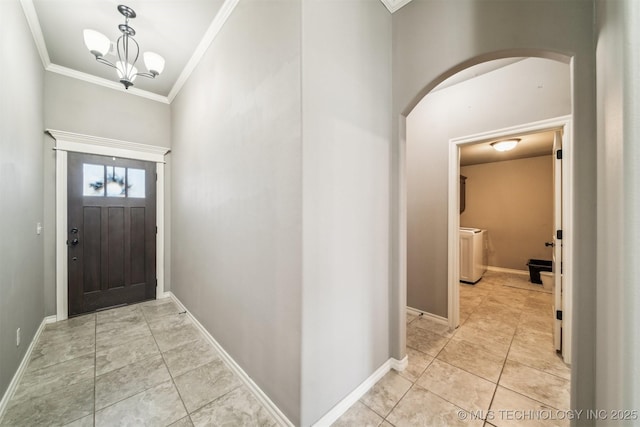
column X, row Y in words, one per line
column 504, row 362
column 518, row 312
column 138, row 361
column 144, row 316
column 414, row 383
column 173, row 379
column 449, row 340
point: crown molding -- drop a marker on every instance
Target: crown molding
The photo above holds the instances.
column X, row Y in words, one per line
column 216, row 25
column 394, row 5
column 90, row 78
column 36, row 31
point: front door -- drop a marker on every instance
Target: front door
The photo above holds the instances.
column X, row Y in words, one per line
column 111, row 232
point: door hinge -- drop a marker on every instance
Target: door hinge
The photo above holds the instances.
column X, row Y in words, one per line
column 559, row 314
column 156, row 229
column 156, row 283
column 559, row 154
column 559, row 234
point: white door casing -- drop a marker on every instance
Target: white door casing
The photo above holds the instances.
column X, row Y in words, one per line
column 565, row 124
column 67, row 141
column 557, row 242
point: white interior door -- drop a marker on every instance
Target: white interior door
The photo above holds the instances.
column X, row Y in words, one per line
column 557, row 241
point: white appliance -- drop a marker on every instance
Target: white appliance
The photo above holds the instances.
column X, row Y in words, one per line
column 473, row 254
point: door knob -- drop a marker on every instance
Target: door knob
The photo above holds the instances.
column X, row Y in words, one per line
column 547, row 244
column 74, row 242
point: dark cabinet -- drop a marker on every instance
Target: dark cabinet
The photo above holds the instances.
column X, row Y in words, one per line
column 463, row 190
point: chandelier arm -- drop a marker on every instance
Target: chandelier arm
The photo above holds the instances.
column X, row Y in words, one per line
column 123, row 45
column 105, row 62
column 147, row 75
column 137, row 51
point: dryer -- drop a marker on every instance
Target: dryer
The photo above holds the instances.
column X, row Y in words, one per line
column 473, row 254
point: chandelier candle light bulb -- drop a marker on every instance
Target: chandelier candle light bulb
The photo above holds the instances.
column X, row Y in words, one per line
column 126, row 69
column 127, row 50
column 153, row 62
column 97, row 43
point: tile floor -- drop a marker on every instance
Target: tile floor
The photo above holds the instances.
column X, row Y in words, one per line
column 500, row 363
column 147, row 364
column 144, row 364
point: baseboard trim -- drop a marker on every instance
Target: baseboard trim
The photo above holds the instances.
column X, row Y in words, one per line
column 507, row 270
column 13, row 385
column 431, row 316
column 275, row 412
column 400, row 365
column 343, row 406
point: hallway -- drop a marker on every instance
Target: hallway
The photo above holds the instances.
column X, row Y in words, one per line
column 144, row 364
column 501, row 359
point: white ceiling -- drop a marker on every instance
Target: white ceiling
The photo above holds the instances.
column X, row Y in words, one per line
column 531, row 145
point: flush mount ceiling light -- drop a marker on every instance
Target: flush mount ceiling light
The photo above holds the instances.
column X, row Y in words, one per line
column 506, row 145
column 127, row 51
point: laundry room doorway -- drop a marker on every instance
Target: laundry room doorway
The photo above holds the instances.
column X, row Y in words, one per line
column 490, row 204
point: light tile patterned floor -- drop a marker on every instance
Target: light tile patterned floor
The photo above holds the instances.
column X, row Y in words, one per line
column 500, row 363
column 144, row 364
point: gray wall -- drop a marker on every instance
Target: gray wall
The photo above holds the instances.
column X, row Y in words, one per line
column 73, row 105
column 527, row 91
column 618, row 336
column 513, row 201
column 21, row 250
column 237, row 195
column 428, row 48
column 346, row 71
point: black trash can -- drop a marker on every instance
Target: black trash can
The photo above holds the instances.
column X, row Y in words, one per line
column 536, row 266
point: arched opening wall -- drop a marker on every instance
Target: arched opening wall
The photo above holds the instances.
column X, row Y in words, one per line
column 433, row 40
column 511, row 94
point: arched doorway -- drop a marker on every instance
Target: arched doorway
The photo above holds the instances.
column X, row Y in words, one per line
column 442, row 155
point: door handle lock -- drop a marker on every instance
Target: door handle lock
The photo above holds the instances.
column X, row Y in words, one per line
column 547, row 244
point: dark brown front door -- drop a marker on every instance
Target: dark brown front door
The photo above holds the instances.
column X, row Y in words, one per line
column 111, row 232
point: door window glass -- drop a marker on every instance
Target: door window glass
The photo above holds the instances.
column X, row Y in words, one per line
column 116, row 182
column 112, row 181
column 135, row 183
column 93, row 180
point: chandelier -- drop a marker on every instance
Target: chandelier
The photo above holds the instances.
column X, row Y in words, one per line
column 127, row 50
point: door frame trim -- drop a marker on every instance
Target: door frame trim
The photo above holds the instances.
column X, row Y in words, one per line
column 68, row 141
column 563, row 122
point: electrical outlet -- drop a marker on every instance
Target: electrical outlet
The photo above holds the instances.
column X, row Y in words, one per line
column 18, row 337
